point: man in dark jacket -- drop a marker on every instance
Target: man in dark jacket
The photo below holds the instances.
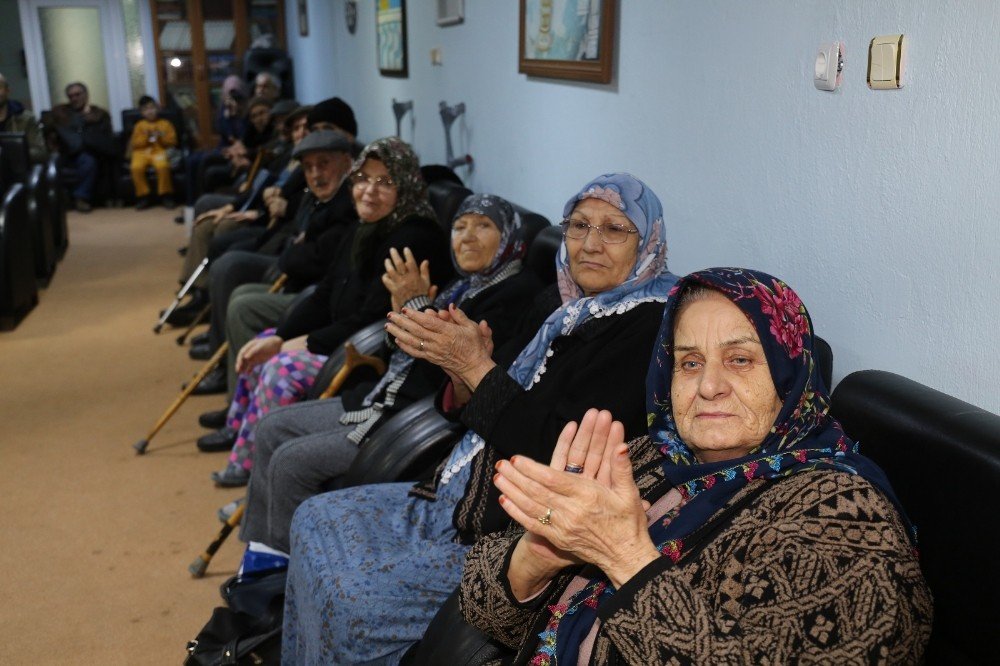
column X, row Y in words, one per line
column 14, row 118
column 84, row 138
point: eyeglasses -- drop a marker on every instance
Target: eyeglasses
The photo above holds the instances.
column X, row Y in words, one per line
column 360, row 179
column 611, row 234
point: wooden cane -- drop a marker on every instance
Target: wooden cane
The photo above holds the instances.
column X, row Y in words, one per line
column 140, row 446
column 198, row 567
column 199, row 318
column 352, row 360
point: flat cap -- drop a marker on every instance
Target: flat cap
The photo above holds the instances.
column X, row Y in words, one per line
column 326, row 141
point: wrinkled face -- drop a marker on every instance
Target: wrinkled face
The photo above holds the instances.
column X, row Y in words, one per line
column 300, row 129
column 374, row 192
column 324, row 171
column 149, row 111
column 264, row 87
column 593, row 264
column 474, row 240
column 259, row 117
column 77, row 97
column 724, row 400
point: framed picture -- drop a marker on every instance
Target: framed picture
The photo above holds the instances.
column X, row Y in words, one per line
column 303, row 18
column 390, row 27
column 567, row 39
column 450, row 12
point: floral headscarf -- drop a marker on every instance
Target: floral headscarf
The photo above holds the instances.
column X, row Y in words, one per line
column 803, row 437
column 404, row 169
column 649, row 280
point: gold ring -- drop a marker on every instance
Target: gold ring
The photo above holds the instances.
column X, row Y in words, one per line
column 421, row 345
column 547, row 518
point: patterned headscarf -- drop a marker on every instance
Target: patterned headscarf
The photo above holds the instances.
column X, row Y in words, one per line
column 509, row 253
column 404, row 169
column 649, row 280
column 803, row 437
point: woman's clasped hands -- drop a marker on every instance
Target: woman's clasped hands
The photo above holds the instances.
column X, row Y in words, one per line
column 583, row 507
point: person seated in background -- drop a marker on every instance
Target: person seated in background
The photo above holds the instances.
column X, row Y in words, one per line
column 753, row 532
column 151, row 138
column 15, row 118
column 229, row 124
column 279, row 365
column 299, row 448
column 84, row 139
column 242, row 152
column 370, row 566
column 267, row 86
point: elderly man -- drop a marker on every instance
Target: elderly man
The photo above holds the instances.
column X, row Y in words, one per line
column 84, row 138
column 325, row 215
column 268, row 86
column 15, row 118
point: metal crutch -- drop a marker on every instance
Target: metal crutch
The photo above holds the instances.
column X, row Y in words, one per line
column 448, row 116
column 181, row 294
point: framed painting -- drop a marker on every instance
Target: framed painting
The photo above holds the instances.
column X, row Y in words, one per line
column 390, row 27
column 567, row 39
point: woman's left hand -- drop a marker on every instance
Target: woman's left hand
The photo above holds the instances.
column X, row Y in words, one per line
column 295, row 344
column 405, row 279
column 599, row 519
column 455, row 343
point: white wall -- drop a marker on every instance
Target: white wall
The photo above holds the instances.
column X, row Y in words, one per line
column 880, row 208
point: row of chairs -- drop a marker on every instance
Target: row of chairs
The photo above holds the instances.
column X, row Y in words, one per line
column 33, row 231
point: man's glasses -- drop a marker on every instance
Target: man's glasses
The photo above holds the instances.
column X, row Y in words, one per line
column 360, row 179
column 611, row 234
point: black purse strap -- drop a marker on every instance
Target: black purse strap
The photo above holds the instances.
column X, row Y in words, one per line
column 704, row 535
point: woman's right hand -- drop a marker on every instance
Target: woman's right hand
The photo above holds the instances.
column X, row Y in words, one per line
column 215, row 214
column 257, row 351
column 405, row 280
column 277, row 206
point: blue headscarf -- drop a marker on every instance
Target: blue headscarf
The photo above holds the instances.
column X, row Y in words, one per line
column 648, row 281
column 803, row 437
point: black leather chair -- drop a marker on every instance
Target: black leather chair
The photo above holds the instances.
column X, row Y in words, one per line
column 16, row 167
column 124, row 187
column 445, row 197
column 942, row 456
column 542, row 253
column 368, row 341
column 57, row 207
column 18, row 288
column 276, row 61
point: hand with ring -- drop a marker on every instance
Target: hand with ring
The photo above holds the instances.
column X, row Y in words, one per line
column 404, row 279
column 457, row 344
column 594, row 516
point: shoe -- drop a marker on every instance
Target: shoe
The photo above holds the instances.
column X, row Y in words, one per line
column 185, row 314
column 220, row 440
column 214, row 382
column 83, row 206
column 213, row 420
column 228, row 510
column 182, row 251
column 168, row 203
column 201, row 352
column 179, row 219
column 233, row 476
column 143, row 203
column 201, row 339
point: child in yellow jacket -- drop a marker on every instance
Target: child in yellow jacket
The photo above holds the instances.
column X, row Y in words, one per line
column 151, row 138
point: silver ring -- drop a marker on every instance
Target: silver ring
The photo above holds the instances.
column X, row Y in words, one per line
column 547, row 518
column 573, row 469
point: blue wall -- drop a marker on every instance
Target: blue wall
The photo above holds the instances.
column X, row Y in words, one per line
column 880, row 208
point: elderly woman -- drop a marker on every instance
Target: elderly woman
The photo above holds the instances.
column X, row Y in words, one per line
column 278, row 367
column 299, row 448
column 371, row 565
column 754, row 532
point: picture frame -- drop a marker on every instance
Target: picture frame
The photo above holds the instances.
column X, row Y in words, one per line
column 390, row 33
column 584, row 47
column 303, row 15
column 450, row 12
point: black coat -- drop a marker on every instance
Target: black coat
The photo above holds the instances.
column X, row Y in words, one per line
column 601, row 364
column 347, row 300
column 306, row 262
column 499, row 305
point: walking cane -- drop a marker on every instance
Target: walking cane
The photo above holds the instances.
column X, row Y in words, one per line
column 140, row 446
column 198, row 567
column 180, row 295
column 352, row 360
column 182, row 338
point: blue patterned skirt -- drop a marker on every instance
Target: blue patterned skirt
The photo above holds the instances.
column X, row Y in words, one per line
column 369, row 569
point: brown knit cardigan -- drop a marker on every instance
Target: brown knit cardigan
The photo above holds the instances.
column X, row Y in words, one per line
column 817, row 569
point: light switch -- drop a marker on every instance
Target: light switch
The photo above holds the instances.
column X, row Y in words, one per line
column 886, row 62
column 436, row 58
column 829, row 63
